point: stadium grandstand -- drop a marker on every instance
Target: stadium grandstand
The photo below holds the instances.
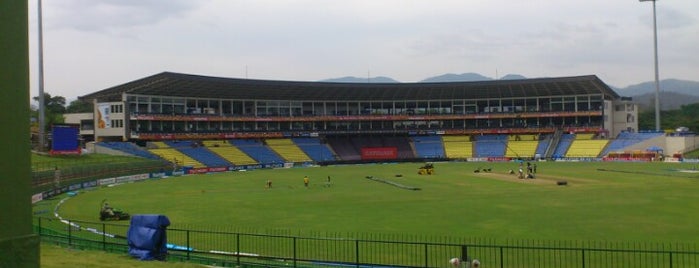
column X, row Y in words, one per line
column 206, row 121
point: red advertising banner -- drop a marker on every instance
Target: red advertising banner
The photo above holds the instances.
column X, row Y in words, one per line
column 71, row 152
column 499, row 159
column 206, row 170
column 369, row 153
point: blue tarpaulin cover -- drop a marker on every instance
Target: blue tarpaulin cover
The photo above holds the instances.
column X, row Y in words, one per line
column 146, row 237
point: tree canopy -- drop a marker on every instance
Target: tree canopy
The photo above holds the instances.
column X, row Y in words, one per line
column 686, row 116
column 79, row 106
column 53, row 104
column 54, row 108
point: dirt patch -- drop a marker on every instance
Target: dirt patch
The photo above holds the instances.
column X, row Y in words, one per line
column 540, row 179
column 510, row 178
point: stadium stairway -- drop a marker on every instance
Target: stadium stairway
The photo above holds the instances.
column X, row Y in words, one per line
column 288, row 150
column 458, row 146
column 543, row 146
column 553, row 143
column 563, row 145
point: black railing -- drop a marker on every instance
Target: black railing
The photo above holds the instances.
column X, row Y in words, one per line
column 250, row 248
column 44, row 175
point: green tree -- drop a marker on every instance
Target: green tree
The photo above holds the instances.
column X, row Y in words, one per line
column 686, row 116
column 54, row 108
column 55, row 104
column 690, row 113
column 646, row 120
column 79, row 106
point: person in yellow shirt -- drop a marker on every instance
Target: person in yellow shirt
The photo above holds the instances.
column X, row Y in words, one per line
column 306, row 180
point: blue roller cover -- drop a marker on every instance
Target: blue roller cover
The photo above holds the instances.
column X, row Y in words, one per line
column 146, row 237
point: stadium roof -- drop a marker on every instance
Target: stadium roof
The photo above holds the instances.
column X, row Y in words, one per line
column 197, row 86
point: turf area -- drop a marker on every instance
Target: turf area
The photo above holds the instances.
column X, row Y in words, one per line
column 60, row 257
column 602, row 201
column 693, row 154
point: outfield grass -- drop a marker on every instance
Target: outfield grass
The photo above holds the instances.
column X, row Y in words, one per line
column 53, row 256
column 627, row 202
column 693, row 154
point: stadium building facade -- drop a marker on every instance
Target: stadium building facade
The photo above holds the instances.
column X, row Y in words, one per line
column 181, row 116
column 182, row 106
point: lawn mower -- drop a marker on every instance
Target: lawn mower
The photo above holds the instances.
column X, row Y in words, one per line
column 108, row 213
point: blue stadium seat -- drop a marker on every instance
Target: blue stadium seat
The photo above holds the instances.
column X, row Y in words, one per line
column 129, row 148
column 626, row 139
column 490, row 146
column 543, row 145
column 258, row 151
column 563, row 145
column 205, row 156
column 429, row 146
column 314, row 149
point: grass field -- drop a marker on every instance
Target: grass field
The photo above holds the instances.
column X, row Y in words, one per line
column 59, row 257
column 693, row 154
column 650, row 202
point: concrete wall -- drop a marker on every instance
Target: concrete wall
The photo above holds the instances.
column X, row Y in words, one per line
column 670, row 144
column 681, row 144
column 104, row 150
column 76, row 118
column 623, row 116
column 657, row 141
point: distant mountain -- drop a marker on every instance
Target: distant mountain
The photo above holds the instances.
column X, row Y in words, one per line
column 512, row 77
column 465, row 77
column 668, row 100
column 352, row 79
column 674, row 92
column 668, row 85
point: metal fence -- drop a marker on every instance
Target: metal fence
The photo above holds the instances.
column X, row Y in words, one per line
column 250, row 248
column 43, row 174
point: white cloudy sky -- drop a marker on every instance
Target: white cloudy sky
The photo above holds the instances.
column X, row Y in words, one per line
column 91, row 45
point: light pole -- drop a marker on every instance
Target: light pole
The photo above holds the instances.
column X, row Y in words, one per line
column 657, row 81
column 42, row 107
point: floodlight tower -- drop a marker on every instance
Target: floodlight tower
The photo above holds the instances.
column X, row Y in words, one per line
column 657, row 81
column 42, row 108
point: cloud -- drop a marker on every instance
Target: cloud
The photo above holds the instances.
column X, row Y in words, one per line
column 674, row 19
column 111, row 41
column 110, row 15
column 668, row 18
